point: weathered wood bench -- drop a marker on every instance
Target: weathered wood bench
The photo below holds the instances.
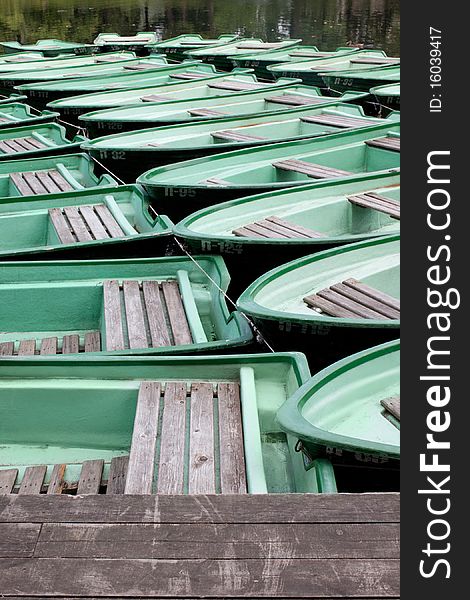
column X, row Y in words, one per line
column 387, row 143
column 24, row 144
column 155, row 98
column 374, row 60
column 188, row 76
column 140, row 67
column 90, row 482
column 261, row 46
column 392, row 406
column 352, row 299
column 311, row 169
column 206, row 112
column 337, row 121
column 108, row 59
column 236, row 86
column 84, row 223
column 377, row 202
column 50, row 345
column 200, row 442
column 273, row 227
column 236, row 136
column 154, row 312
column 297, row 100
column 310, row 54
column 40, row 182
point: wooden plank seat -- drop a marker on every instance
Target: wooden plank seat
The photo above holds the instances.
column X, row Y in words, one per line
column 297, row 100
column 84, row 223
column 50, row 345
column 392, row 406
column 273, row 227
column 91, row 480
column 206, row 112
column 387, row 143
column 261, row 46
column 155, row 98
column 146, row 314
column 139, row 67
column 337, row 121
column 236, row 86
column 40, row 182
column 236, row 136
column 377, row 202
column 216, row 181
column 310, row 54
column 374, row 60
column 354, row 299
column 24, row 144
column 311, row 169
column 108, row 59
column 200, row 441
column 188, row 75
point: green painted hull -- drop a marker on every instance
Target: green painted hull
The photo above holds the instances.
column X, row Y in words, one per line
column 322, row 207
column 388, row 96
column 59, row 298
column 175, row 48
column 16, row 114
column 182, row 188
column 26, row 231
column 362, row 80
column 262, row 61
column 113, row 42
column 72, row 108
column 48, row 48
column 130, row 154
column 221, row 56
column 84, row 409
column 275, row 301
column 51, row 135
column 309, row 71
column 231, row 104
column 12, row 98
column 77, row 170
column 338, row 413
column 13, row 64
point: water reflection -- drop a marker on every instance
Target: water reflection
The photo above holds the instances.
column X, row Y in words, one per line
column 326, row 23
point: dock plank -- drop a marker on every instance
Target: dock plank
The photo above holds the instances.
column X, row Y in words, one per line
column 117, row 475
column 33, row 479
column 7, row 480
column 18, row 541
column 48, row 346
column 90, row 477
column 57, row 484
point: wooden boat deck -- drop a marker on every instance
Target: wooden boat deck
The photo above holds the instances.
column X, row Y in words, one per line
column 40, row 182
column 232, row 546
column 85, row 223
column 273, row 227
column 23, row 144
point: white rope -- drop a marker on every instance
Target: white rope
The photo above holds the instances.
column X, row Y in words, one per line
column 108, row 170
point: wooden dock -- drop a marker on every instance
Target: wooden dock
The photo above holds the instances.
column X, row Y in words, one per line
column 225, row 546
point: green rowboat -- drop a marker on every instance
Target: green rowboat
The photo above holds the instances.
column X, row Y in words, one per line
column 388, row 96
column 130, row 154
column 220, row 84
column 257, row 233
column 54, row 175
column 176, row 47
column 252, row 102
column 182, row 188
column 48, row 48
column 309, row 70
column 15, row 113
column 221, row 56
column 360, row 79
column 96, row 66
column 260, row 61
column 348, row 413
column 11, row 59
column 98, row 223
column 71, row 411
column 112, row 42
column 332, row 303
column 47, row 139
column 12, row 98
column 124, row 306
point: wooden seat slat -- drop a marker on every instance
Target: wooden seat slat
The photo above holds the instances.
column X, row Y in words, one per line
column 386, row 143
column 33, row 479
column 314, row 301
column 155, row 98
column 337, row 121
column 71, row 344
column 296, row 100
column 354, row 307
column 206, row 112
column 137, row 334
column 311, row 169
column 34, row 183
column 144, row 438
column 201, row 440
column 294, row 227
column 392, row 405
column 93, row 341
column 281, row 230
column 377, row 202
column 27, row 348
column 188, row 75
column 59, row 180
column 258, row 231
column 61, row 226
column 117, row 475
column 32, row 142
column 172, row 444
column 374, row 60
column 21, row 185
column 155, row 314
column 310, row 54
column 48, row 346
column 236, row 136
column 90, row 477
column 7, row 147
column 57, row 483
column 216, row 181
column 232, row 455
column 7, row 348
column 77, row 224
column 373, row 293
column 261, row 46
column 176, row 314
column 48, row 183
column 245, row 232
column 236, row 86
column 113, row 227
column 367, row 301
column 7, row 480
column 112, row 316
column 138, row 67
column 93, row 222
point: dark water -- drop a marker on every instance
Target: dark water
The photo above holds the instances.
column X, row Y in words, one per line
column 325, row 23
